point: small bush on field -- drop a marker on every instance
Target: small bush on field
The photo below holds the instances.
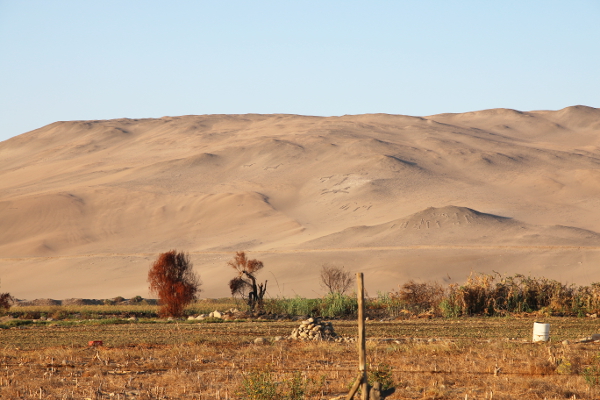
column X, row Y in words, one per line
column 591, row 373
column 297, row 386
column 264, row 385
column 60, row 314
column 564, row 368
column 381, row 373
column 259, row 385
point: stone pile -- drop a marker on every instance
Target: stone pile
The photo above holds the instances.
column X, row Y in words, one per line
column 232, row 313
column 314, row 329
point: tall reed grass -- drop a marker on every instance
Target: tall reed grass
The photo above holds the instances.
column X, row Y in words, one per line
column 331, row 306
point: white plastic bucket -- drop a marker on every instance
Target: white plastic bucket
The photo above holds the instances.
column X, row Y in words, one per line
column 541, row 332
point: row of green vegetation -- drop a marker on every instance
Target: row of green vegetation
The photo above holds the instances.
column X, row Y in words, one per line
column 490, row 295
column 171, row 277
column 481, row 294
column 120, row 309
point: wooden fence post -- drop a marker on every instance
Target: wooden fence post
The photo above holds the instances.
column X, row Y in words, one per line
column 361, row 380
column 362, row 345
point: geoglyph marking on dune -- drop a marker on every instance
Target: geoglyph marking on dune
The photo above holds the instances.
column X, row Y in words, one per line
column 335, row 191
column 275, row 167
column 348, row 182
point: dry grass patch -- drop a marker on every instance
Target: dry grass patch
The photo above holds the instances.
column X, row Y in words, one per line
column 213, row 361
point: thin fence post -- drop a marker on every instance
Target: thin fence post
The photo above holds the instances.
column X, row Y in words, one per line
column 362, row 347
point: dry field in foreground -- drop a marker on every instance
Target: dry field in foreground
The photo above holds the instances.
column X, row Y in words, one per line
column 474, row 358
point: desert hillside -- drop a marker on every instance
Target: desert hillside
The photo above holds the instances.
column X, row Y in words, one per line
column 85, row 206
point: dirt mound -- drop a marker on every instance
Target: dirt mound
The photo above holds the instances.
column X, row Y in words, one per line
column 82, row 302
column 38, row 302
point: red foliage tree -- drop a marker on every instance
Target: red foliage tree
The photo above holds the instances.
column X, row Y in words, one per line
column 244, row 285
column 6, row 301
column 172, row 278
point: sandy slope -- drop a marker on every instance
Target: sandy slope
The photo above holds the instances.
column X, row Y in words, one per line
column 86, row 205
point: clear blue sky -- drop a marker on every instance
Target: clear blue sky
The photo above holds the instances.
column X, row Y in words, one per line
column 85, row 59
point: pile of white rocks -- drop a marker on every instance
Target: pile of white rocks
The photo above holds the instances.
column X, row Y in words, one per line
column 314, row 329
column 229, row 314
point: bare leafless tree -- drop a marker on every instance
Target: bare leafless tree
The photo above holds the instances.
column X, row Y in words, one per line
column 335, row 279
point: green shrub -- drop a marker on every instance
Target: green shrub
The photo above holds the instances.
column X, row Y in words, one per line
column 258, row 385
column 449, row 309
column 14, row 323
column 564, row 368
column 262, row 384
column 591, row 373
column 382, row 373
column 298, row 387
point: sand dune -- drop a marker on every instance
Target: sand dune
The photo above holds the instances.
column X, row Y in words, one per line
column 86, row 205
column 457, row 226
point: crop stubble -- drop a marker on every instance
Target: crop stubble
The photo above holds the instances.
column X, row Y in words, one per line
column 469, row 356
